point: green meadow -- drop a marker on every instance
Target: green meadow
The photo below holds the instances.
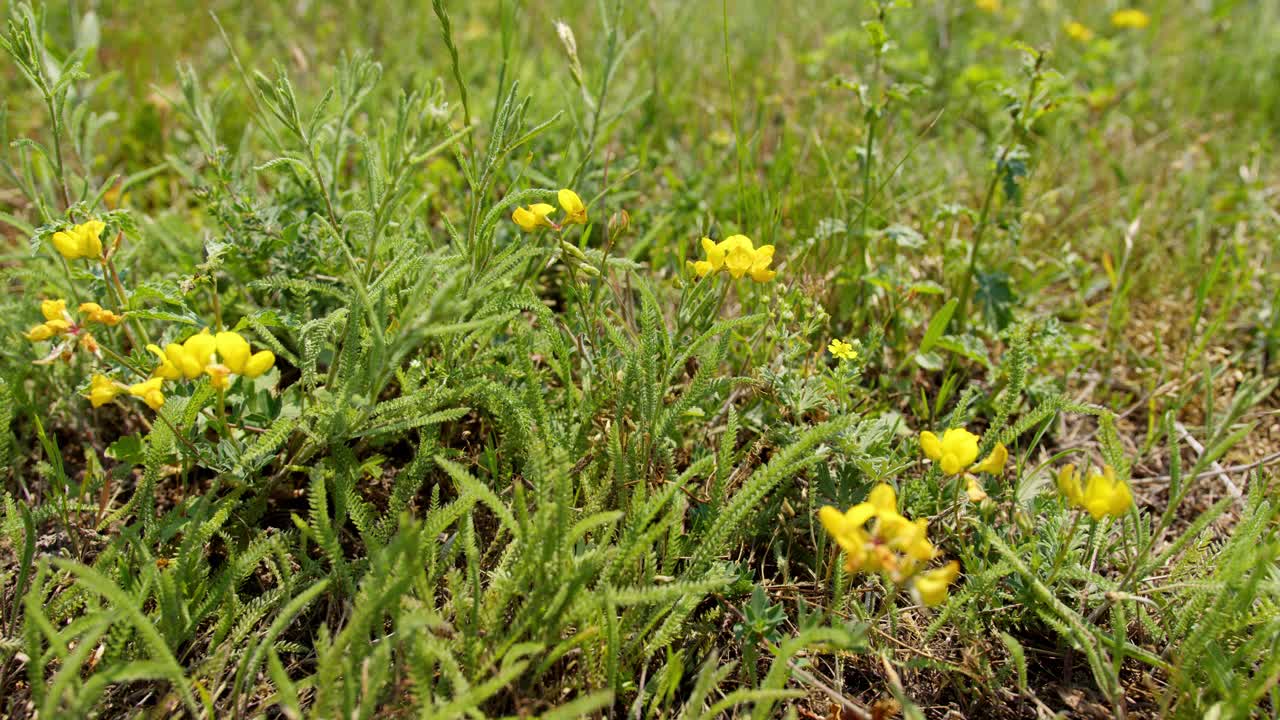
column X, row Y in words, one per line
column 621, row 359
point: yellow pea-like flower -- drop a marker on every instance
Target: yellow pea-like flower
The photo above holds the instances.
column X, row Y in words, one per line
column 955, row 451
column 930, row 587
column 39, row 332
column 1105, row 494
column 166, row 369
column 575, row 212
column 103, row 390
column 53, row 309
column 94, row 312
column 259, row 363
column 760, row 271
column 994, row 462
column 739, row 255
column 233, row 350
column 1069, row 485
column 81, row 241
column 533, row 217
column 151, row 392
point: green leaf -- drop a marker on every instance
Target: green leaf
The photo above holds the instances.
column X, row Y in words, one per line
column 938, row 324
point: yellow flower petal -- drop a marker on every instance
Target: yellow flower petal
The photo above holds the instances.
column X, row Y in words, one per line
column 575, row 212
column 994, row 462
column 931, row 446
column 931, row 587
column 259, row 363
column 233, row 350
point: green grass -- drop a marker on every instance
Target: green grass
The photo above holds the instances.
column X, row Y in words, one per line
column 556, row 474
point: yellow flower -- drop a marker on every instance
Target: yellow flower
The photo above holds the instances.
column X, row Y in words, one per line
column 994, row 462
column 103, row 390
column 1130, row 19
column 88, row 343
column 739, row 255
column 574, row 211
column 94, row 312
column 1105, row 494
column 1069, row 485
column 760, row 271
column 534, row 217
column 930, row 588
column 874, row 550
column 237, row 356
column 150, row 391
column 81, row 241
column 53, row 309
column 39, row 332
column 956, row 451
column 714, row 261
column 1078, row 31
column 990, row 6
column 842, row 350
column 166, row 369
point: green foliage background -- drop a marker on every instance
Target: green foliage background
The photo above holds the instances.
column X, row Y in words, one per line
column 494, row 474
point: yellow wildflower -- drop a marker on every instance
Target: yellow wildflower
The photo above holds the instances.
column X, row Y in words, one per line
column 39, row 332
column 1130, row 19
column 739, row 255
column 994, row 462
column 81, row 241
column 1069, row 485
column 93, row 312
column 574, row 211
column 760, row 271
column 842, row 350
column 714, row 261
column 187, row 360
column 990, row 6
column 235, row 353
column 1105, row 494
column 534, row 217
column 956, row 451
column 930, row 588
column 1101, row 495
column 150, row 391
column 53, row 309
column 874, row 550
column 103, row 390
column 1078, row 31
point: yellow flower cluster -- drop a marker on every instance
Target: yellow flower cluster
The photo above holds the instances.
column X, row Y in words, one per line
column 219, row 356
column 738, row 256
column 1101, row 495
column 103, row 390
column 57, row 321
column 536, row 215
column 892, row 544
column 81, row 241
column 1130, row 19
column 990, row 6
column 957, row 449
column 842, row 350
